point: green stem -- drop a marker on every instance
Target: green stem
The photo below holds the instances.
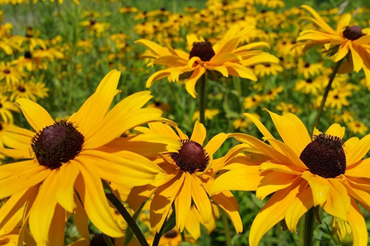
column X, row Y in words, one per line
column 107, row 240
column 226, row 227
column 306, row 229
column 125, row 214
column 202, row 98
column 327, row 89
column 168, row 225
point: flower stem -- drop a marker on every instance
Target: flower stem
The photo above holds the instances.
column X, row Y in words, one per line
column 202, row 98
column 306, row 229
column 226, row 227
column 327, row 89
column 168, row 225
column 125, row 214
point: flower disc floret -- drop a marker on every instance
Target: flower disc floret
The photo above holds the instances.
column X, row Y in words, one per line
column 353, row 32
column 203, row 50
column 325, row 156
column 170, row 234
column 57, row 144
column 191, row 157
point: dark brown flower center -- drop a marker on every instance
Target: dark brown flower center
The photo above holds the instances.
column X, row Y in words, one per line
column 307, row 65
column 27, row 55
column 203, row 50
column 7, row 71
column 267, row 65
column 92, row 22
column 325, row 156
column 309, row 81
column 170, row 234
column 57, row 144
column 21, row 89
column 1, row 127
column 336, row 97
column 191, row 157
column 353, row 32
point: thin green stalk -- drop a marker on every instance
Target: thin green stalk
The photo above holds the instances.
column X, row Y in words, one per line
column 226, row 227
column 108, row 240
column 125, row 214
column 327, row 89
column 202, row 98
column 307, row 228
column 168, row 225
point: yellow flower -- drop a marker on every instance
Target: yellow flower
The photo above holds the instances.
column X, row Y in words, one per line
column 342, row 231
column 223, row 58
column 253, row 101
column 61, row 160
column 311, row 85
column 272, row 94
column 209, row 114
column 267, row 69
column 9, row 73
column 345, row 41
column 308, row 69
column 287, row 108
column 190, row 172
column 357, row 127
column 6, row 108
column 302, row 173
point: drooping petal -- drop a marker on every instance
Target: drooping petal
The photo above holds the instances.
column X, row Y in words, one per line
column 239, row 70
column 360, row 170
column 272, row 182
column 183, row 202
column 56, row 232
column 358, row 225
column 273, row 212
column 201, row 199
column 90, row 188
column 229, row 204
column 8, row 170
column 320, row 187
column 356, row 150
column 36, row 115
column 157, row 76
column 319, row 20
column 338, row 200
column 299, row 206
column 195, row 76
column 215, row 143
column 66, row 177
column 42, row 211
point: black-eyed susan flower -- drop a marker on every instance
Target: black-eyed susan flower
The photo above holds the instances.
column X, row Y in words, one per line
column 262, row 70
column 10, row 74
column 6, row 109
column 310, row 85
column 272, row 94
column 60, row 160
column 224, row 58
column 252, row 101
column 303, row 172
column 346, row 41
column 357, row 127
column 190, row 172
column 308, row 69
column 208, row 113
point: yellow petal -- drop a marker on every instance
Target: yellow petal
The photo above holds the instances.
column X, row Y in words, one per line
column 66, row 177
column 199, row 133
column 299, row 206
column 319, row 20
column 90, row 189
column 94, row 109
column 195, row 76
column 193, row 223
column 81, row 220
column 43, row 209
column 356, row 58
column 229, row 204
column 292, row 131
column 22, row 181
column 293, row 157
column 358, row 225
column 36, row 115
column 238, row 70
column 183, row 202
column 58, row 222
column 272, row 182
column 320, row 187
column 157, row 76
column 338, row 200
column 342, row 51
column 336, row 130
column 240, row 177
column 343, row 23
column 201, row 199
column 357, row 150
column 273, row 212
column 215, row 143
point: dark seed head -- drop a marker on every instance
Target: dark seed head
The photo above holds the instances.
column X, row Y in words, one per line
column 57, row 144
column 336, row 97
column 191, row 157
column 353, row 32
column 307, row 65
column 309, row 81
column 92, row 22
column 7, row 71
column 325, row 156
column 203, row 50
column 98, row 240
column 1, row 127
column 27, row 55
column 267, row 65
column 170, row 234
column 21, row 89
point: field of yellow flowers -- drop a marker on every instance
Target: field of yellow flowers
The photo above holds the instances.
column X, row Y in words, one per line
column 218, row 122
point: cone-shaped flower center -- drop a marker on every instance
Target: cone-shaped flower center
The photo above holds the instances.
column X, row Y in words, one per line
column 203, row 50
column 325, row 156
column 21, row 89
column 6, row 70
column 191, row 157
column 27, row 55
column 57, row 144
column 353, row 32
column 170, row 234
